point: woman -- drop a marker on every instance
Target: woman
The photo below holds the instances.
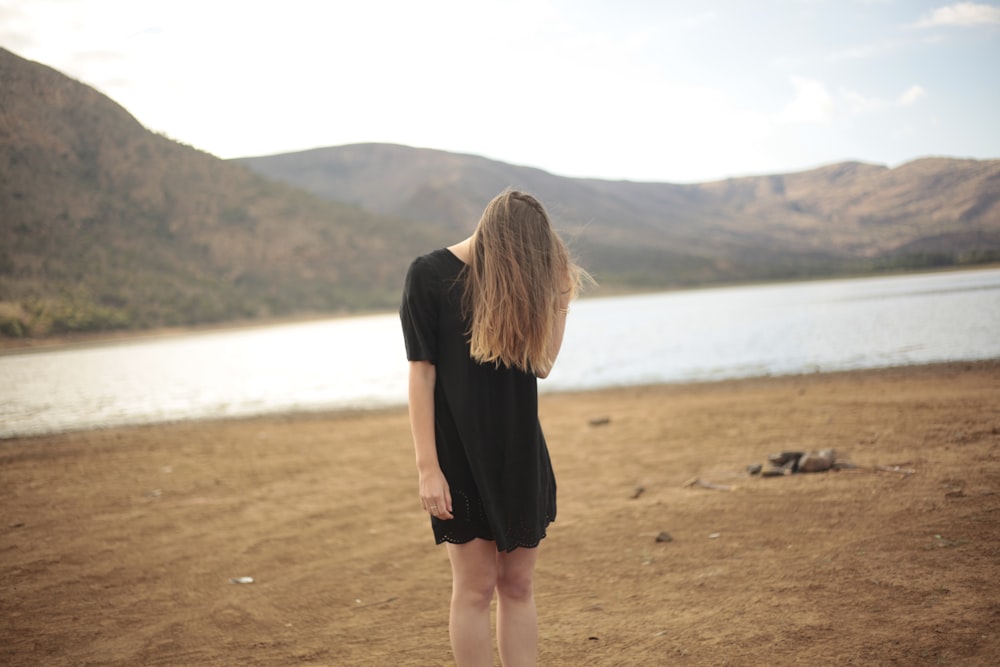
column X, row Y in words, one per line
column 482, row 319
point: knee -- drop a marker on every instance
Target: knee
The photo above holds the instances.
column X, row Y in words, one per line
column 475, row 591
column 515, row 585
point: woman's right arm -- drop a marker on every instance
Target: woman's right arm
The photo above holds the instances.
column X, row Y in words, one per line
column 434, row 492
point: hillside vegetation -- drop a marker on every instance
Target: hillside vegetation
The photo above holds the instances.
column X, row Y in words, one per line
column 105, row 225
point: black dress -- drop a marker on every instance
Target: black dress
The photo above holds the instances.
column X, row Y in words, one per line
column 489, row 440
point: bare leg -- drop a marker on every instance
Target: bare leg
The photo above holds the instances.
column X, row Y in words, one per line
column 517, row 620
column 473, row 579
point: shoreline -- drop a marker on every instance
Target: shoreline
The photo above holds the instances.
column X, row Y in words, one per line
column 10, row 346
column 120, row 544
column 583, row 394
column 91, row 339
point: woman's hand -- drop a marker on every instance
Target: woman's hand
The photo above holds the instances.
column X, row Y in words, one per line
column 435, row 497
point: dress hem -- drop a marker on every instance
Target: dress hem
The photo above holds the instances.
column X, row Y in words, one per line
column 516, row 545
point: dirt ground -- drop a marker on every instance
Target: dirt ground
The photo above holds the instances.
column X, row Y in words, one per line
column 117, row 547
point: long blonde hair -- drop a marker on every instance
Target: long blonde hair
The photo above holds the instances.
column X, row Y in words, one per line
column 518, row 273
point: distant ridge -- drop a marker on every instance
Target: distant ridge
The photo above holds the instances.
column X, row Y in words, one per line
column 842, row 218
column 105, row 225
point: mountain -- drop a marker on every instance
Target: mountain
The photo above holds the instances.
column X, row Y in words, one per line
column 105, row 225
column 849, row 217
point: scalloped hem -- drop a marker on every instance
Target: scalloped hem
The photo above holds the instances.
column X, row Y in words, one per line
column 507, row 549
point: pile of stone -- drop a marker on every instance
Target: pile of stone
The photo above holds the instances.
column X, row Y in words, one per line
column 788, row 463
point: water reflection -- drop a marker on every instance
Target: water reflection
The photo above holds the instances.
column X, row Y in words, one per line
column 359, row 362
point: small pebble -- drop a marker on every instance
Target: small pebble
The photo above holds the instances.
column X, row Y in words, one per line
column 664, row 537
column 714, row 536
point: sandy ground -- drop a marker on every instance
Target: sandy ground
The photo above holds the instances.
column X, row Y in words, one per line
column 117, row 547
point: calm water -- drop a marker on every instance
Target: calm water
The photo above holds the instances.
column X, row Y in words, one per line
column 359, row 362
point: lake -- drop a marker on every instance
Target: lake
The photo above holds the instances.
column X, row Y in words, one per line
column 359, row 362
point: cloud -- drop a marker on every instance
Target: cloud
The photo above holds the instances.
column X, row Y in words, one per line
column 912, row 94
column 963, row 14
column 858, row 104
column 864, row 51
column 697, row 21
column 812, row 104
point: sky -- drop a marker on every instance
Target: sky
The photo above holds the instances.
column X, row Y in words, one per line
column 644, row 90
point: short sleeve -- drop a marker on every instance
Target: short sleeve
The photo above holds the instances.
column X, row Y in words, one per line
column 418, row 312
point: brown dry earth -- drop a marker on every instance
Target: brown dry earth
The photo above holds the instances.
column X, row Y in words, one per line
column 117, row 546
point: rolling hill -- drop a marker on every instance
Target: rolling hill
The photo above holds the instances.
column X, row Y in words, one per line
column 848, row 217
column 106, row 225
